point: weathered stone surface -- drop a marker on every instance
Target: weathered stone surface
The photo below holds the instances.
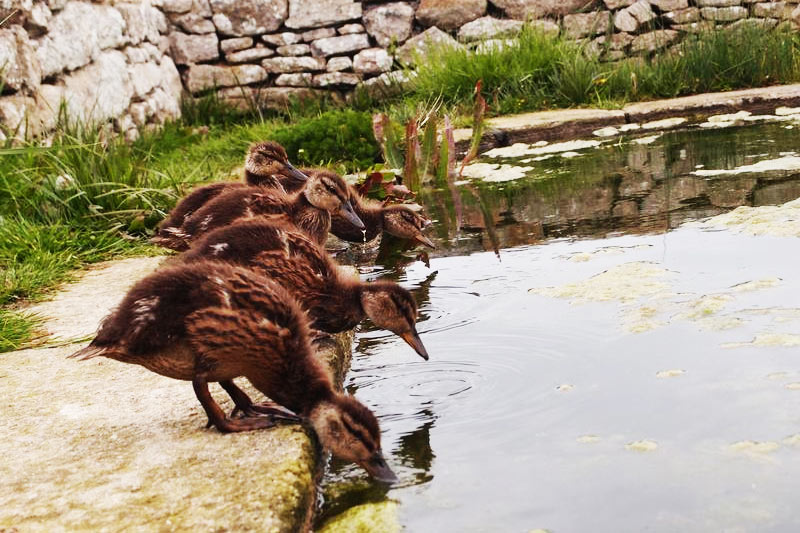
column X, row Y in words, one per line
column 176, row 6
column 294, row 50
column 648, row 42
column 335, row 64
column 617, row 43
column 771, row 10
column 250, row 55
column 723, row 14
column 372, row 61
column 670, row 5
column 350, row 28
column 547, row 27
column 641, row 11
column 297, row 79
column 202, row 77
column 293, row 64
column 99, row 91
column 488, row 28
column 320, row 33
column 717, row 3
column 144, row 77
column 202, row 8
column 37, row 19
column 764, row 24
column 449, row 14
column 316, row 13
column 271, row 97
column 388, row 83
column 136, row 54
column 164, row 107
column 171, row 81
column 339, row 45
column 624, row 21
column 528, row 9
column 55, row 5
column 282, row 39
column 239, row 18
column 60, row 49
column 23, row 118
column 684, row 16
column 616, row 4
column 188, row 48
column 388, row 23
column 329, row 79
column 419, row 44
column 582, row 24
column 236, row 44
column 142, row 22
column 19, row 66
column 194, row 23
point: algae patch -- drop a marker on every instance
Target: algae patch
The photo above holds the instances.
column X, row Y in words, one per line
column 775, row 221
column 786, row 164
column 495, row 173
column 754, row 447
column 672, row 373
column 643, row 445
column 768, row 339
column 623, row 283
column 366, row 518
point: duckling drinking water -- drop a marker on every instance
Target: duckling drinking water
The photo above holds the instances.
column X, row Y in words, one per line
column 335, row 302
column 212, row 322
column 266, row 165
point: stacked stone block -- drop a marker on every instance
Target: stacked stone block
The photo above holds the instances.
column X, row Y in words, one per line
column 130, row 60
column 102, row 63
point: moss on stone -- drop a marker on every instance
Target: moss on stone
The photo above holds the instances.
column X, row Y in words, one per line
column 366, row 518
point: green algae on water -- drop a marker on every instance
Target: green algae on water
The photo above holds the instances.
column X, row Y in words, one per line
column 366, row 518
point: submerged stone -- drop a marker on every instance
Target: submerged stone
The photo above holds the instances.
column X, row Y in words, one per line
column 366, row 518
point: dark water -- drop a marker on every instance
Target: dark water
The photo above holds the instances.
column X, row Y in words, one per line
column 550, row 409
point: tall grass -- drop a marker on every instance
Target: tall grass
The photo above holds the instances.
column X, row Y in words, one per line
column 537, row 71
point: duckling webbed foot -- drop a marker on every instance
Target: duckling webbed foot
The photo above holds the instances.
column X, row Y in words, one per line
column 217, row 418
column 249, row 409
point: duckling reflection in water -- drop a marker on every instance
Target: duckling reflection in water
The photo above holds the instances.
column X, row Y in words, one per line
column 335, row 301
column 266, row 165
column 212, row 322
column 309, row 209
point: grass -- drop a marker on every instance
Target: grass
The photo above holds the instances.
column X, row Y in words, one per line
column 86, row 197
column 538, row 71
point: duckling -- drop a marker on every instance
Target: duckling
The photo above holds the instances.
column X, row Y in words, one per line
column 398, row 220
column 266, row 165
column 309, row 209
column 212, row 322
column 335, row 301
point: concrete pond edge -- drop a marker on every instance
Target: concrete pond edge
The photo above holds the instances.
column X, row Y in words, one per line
column 574, row 123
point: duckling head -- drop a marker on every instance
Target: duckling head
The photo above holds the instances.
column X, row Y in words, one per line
column 266, row 159
column 350, row 431
column 402, row 221
column 327, row 190
column 392, row 307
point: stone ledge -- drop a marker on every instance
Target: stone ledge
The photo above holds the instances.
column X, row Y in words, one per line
column 103, row 445
column 572, row 123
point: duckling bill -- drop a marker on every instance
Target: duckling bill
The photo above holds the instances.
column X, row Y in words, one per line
column 212, row 322
column 335, row 302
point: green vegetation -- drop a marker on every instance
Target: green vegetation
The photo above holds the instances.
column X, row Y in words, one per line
column 87, row 197
column 538, row 71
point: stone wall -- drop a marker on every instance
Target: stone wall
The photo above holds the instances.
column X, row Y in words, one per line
column 104, row 63
column 129, row 61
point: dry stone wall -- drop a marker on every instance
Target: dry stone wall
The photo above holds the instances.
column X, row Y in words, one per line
column 101, row 62
column 129, row 61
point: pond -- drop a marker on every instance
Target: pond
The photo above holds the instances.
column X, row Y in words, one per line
column 602, row 358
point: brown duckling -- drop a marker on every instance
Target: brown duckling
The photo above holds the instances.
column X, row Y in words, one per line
column 212, row 322
column 399, row 220
column 335, row 301
column 309, row 209
column 266, row 165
